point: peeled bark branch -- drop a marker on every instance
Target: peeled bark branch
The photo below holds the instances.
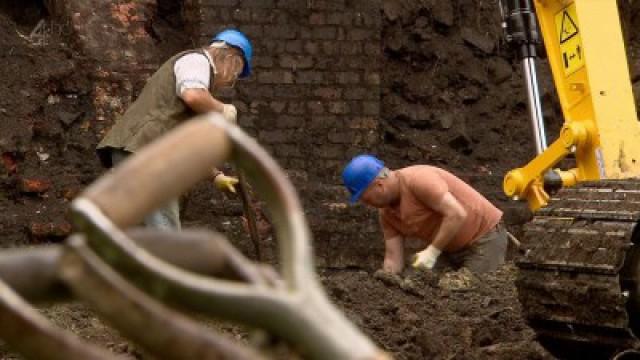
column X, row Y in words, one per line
column 32, row 273
column 300, row 313
column 28, row 332
column 161, row 331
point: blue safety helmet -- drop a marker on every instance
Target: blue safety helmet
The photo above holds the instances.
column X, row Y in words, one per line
column 360, row 173
column 240, row 41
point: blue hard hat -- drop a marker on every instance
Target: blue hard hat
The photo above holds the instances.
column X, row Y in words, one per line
column 238, row 40
column 360, row 173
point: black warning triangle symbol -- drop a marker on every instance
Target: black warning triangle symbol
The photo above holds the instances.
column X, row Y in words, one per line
column 568, row 29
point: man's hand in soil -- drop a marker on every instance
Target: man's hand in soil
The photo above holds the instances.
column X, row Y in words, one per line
column 388, row 278
column 225, row 183
column 426, row 260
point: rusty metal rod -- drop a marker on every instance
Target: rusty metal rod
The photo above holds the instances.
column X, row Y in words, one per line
column 249, row 214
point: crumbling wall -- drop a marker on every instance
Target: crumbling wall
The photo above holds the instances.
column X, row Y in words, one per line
column 313, row 102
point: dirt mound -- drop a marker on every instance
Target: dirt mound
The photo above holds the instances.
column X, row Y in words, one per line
column 430, row 320
column 45, row 107
column 453, row 96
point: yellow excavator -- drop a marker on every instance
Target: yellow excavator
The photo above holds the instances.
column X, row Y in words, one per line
column 579, row 282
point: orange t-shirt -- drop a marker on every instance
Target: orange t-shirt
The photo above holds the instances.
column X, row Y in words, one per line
column 414, row 218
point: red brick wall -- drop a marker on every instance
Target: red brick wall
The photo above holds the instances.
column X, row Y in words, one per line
column 314, row 98
column 313, row 102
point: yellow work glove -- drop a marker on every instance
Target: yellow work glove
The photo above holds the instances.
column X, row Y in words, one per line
column 230, row 113
column 426, row 259
column 225, row 183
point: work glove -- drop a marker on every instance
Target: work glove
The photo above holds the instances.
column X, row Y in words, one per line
column 388, row 278
column 225, row 183
column 230, row 113
column 426, row 259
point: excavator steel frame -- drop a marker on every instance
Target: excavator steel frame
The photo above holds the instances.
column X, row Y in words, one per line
column 585, row 48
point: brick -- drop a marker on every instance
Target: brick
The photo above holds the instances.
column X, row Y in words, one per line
column 323, row 122
column 348, row 78
column 338, row 107
column 372, row 79
column 296, row 108
column 297, row 164
column 258, row 106
column 317, row 18
column 328, row 93
column 362, row 123
column 342, row 137
column 350, row 48
column 9, row 162
column 253, row 31
column 34, row 186
column 330, row 152
column 44, row 230
column 225, row 17
column 241, row 15
column 257, row 3
column 262, row 62
column 246, row 121
column 296, row 62
column 311, row 77
column 277, row 106
column 360, row 34
column 280, row 32
column 327, row 4
column 289, row 92
column 371, row 138
column 71, row 193
column 288, row 122
column 339, row 18
column 275, row 136
column 275, row 77
column 330, row 47
column 355, row 93
column 288, row 151
column 323, row 33
column 292, row 4
column 265, row 16
column 311, row 47
column 371, row 108
column 368, row 20
column 220, row 3
column 294, row 46
column 373, row 49
column 316, row 107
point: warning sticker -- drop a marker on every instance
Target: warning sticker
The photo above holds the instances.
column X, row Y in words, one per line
column 570, row 41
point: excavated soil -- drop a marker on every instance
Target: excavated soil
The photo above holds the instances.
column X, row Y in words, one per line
column 431, row 319
column 452, row 96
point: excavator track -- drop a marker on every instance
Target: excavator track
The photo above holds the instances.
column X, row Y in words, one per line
column 578, row 282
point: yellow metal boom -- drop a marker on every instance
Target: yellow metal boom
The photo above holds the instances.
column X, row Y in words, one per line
column 585, row 48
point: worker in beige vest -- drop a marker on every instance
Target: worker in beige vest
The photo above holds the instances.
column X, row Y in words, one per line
column 181, row 88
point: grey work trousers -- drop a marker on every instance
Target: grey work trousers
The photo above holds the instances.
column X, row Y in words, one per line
column 486, row 254
column 165, row 218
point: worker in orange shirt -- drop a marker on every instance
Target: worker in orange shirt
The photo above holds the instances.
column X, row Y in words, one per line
column 425, row 202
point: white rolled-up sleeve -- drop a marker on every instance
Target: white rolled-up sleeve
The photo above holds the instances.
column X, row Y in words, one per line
column 192, row 71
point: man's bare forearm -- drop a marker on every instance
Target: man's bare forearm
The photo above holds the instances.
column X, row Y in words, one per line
column 393, row 255
column 201, row 101
column 447, row 231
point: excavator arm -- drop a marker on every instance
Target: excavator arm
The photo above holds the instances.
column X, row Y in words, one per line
column 585, row 49
column 579, row 282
